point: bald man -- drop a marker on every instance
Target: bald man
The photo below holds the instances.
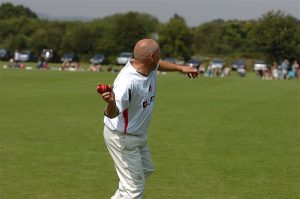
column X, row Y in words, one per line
column 128, row 114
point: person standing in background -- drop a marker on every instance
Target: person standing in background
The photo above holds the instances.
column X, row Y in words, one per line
column 17, row 58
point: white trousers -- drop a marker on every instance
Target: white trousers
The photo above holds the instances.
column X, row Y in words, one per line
column 132, row 160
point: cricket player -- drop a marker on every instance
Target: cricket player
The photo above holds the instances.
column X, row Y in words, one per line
column 128, row 113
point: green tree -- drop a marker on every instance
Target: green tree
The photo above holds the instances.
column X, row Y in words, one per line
column 49, row 35
column 16, row 42
column 206, row 35
column 104, row 42
column 8, row 10
column 78, row 39
column 225, row 38
column 278, row 35
column 120, row 32
column 130, row 28
column 175, row 38
column 15, row 33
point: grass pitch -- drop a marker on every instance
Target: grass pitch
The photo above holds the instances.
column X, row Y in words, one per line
column 227, row 138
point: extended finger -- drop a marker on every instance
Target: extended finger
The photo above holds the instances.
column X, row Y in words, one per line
column 106, row 95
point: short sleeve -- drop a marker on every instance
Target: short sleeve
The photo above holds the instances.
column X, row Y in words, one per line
column 122, row 95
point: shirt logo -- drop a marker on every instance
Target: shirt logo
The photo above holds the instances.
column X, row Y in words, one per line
column 147, row 103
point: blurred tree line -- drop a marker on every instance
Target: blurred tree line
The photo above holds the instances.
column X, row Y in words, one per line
column 274, row 36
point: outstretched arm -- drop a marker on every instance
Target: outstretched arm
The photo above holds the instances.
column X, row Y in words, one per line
column 167, row 66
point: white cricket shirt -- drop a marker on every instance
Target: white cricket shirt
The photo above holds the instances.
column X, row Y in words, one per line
column 134, row 95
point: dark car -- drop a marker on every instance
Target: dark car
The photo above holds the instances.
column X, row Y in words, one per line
column 98, row 59
column 27, row 56
column 194, row 63
column 70, row 57
column 4, row 54
column 239, row 63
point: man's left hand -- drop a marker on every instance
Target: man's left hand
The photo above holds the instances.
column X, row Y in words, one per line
column 190, row 71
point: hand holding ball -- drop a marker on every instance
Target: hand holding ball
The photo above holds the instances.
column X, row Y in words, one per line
column 103, row 88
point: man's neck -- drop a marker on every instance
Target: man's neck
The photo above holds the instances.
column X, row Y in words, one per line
column 140, row 68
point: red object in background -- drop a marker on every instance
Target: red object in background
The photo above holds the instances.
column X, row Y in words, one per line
column 102, row 88
column 22, row 65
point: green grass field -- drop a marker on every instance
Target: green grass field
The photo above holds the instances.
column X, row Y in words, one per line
column 227, row 138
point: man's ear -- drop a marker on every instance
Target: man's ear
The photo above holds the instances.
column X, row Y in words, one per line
column 151, row 56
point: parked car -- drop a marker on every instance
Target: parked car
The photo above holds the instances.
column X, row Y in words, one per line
column 27, row 56
column 239, row 63
column 5, row 55
column 98, row 59
column 124, row 58
column 217, row 64
column 171, row 60
column 179, row 61
column 69, row 57
column 260, row 65
column 174, row 60
column 194, row 63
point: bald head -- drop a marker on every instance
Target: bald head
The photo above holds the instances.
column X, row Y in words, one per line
column 144, row 48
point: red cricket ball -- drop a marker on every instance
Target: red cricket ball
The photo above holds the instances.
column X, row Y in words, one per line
column 102, row 88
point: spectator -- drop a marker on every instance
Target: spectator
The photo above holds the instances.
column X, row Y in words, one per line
column 95, row 68
column 290, row 73
column 65, row 65
column 241, row 71
column 40, row 63
column 111, row 69
column 260, row 73
column 22, row 66
column 11, row 63
column 274, row 69
column 283, row 69
column 45, row 65
column 78, row 66
column 74, row 66
column 295, row 68
column 17, row 59
column 202, row 69
column 217, row 71
column 226, row 71
column 268, row 73
column 209, row 71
